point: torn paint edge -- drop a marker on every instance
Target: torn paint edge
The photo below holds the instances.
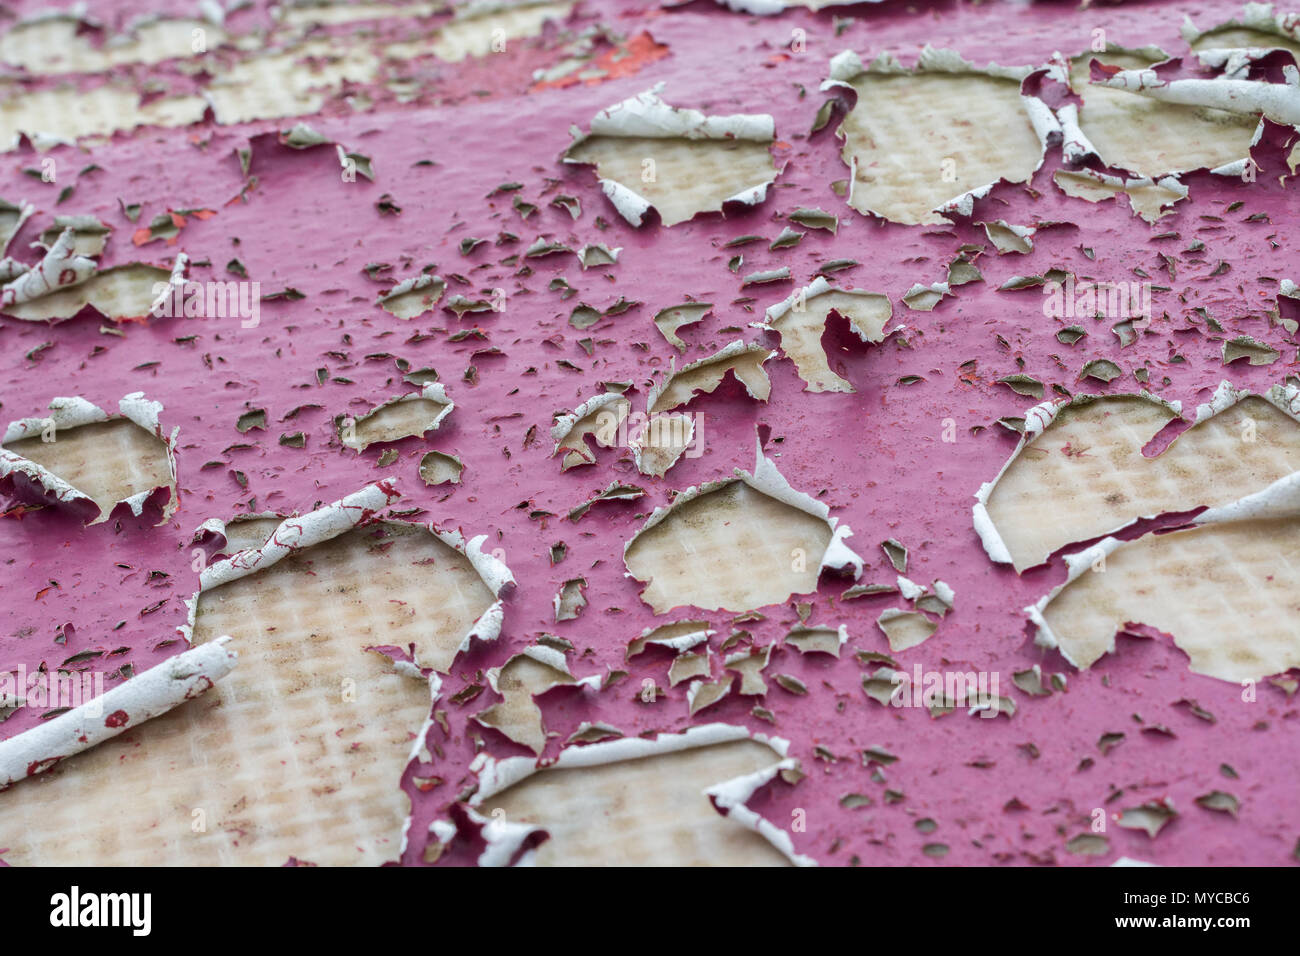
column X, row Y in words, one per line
column 647, row 115
column 1280, row 102
column 847, row 65
column 766, row 480
column 731, row 800
column 74, row 412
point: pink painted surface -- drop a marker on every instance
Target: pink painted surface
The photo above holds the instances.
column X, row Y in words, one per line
column 875, row 457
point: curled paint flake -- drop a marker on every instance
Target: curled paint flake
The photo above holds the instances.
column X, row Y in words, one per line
column 61, row 268
column 402, row 417
column 599, row 417
column 800, row 321
column 745, row 362
column 413, row 297
column 724, row 518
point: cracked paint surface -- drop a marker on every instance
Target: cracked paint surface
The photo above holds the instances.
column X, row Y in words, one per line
column 470, row 203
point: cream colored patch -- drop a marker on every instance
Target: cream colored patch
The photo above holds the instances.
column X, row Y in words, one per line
column 270, row 764
column 650, row 811
column 1152, row 138
column 667, row 632
column 294, row 81
column 905, row 629
column 107, row 461
column 414, row 302
column 679, row 177
column 474, row 34
column 68, row 114
column 1228, row 593
column 905, row 127
column 12, row 217
column 734, row 548
column 52, row 45
column 750, row 666
column 438, row 469
column 815, row 640
column 299, row 751
column 670, row 321
column 1087, row 471
column 801, row 331
column 601, row 423
column 122, row 292
column 704, row 694
column 1006, row 239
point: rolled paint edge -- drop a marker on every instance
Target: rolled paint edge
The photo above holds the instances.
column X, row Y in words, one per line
column 297, row 533
column 145, row 696
column 1280, row 102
